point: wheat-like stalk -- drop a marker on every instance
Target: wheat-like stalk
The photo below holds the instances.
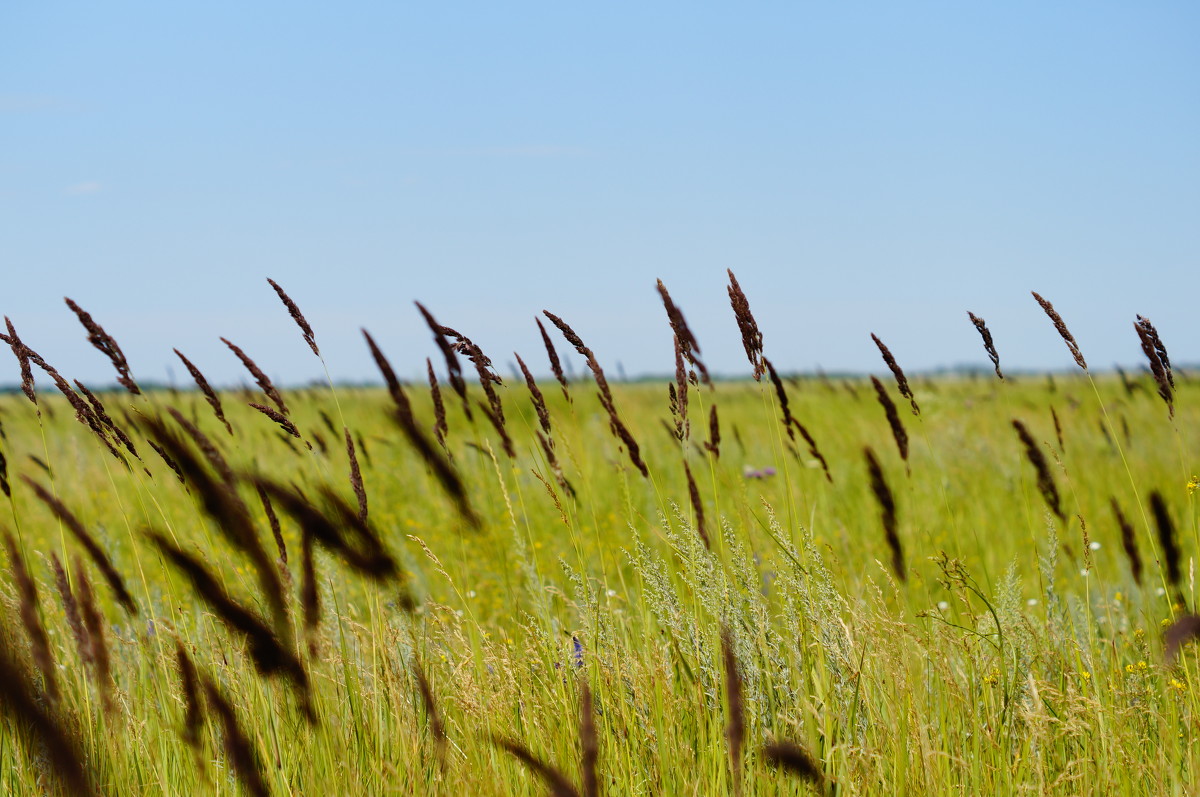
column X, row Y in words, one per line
column 1063, row 332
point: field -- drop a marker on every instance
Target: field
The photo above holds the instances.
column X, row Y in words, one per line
column 366, row 591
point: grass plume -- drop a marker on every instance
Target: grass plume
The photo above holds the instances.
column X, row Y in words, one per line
column 107, row 345
column 240, row 752
column 988, row 345
column 697, row 505
column 453, row 367
column 898, row 372
column 1045, row 480
column 1128, row 542
column 899, row 434
column 297, row 316
column 1160, row 364
column 24, row 359
column 685, row 340
column 555, row 363
column 395, row 389
column 263, row 381
column 752, row 339
column 269, row 656
column 713, row 444
column 210, row 395
column 1167, row 540
column 735, row 727
column 887, row 512
column 93, row 621
column 40, row 731
column 1063, row 332
column 795, row 760
column 94, row 551
column 30, row 610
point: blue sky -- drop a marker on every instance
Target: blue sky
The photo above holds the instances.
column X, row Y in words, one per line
column 862, row 167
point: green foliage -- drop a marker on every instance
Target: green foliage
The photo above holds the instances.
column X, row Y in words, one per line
column 1019, row 655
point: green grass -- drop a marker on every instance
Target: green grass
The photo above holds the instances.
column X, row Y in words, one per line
column 1013, row 659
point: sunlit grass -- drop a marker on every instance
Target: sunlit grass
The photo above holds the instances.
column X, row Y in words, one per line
column 1019, row 655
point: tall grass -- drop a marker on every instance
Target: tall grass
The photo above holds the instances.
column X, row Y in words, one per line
column 573, row 594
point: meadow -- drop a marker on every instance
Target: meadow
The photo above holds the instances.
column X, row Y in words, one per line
column 490, row 585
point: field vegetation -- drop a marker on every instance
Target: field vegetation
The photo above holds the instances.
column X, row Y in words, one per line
column 485, row 584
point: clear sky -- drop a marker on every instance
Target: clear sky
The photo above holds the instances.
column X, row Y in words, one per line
column 862, row 167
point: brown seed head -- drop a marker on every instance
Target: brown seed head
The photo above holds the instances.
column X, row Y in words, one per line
column 1155, row 353
column 40, row 729
column 794, row 759
column 261, row 378
column 389, row 376
column 39, row 642
column 1128, row 542
column 94, row 551
column 239, row 750
column 898, row 372
column 1045, row 480
column 988, row 345
column 535, row 396
column 1063, row 332
column 297, row 316
column 439, row 408
column 1182, row 631
column 589, row 743
column 752, row 339
column 686, row 341
column 555, row 364
column 107, row 346
column 887, row 511
column 1166, row 537
column 697, row 505
column 22, row 353
column 735, row 729
column 893, row 417
column 713, row 444
column 210, row 395
column 93, row 621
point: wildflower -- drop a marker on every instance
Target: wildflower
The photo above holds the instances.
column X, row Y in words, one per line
column 1085, row 676
column 943, row 606
column 1118, row 596
column 1177, row 685
column 991, row 678
column 577, row 655
column 1031, row 602
column 1192, row 485
column 1095, row 546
